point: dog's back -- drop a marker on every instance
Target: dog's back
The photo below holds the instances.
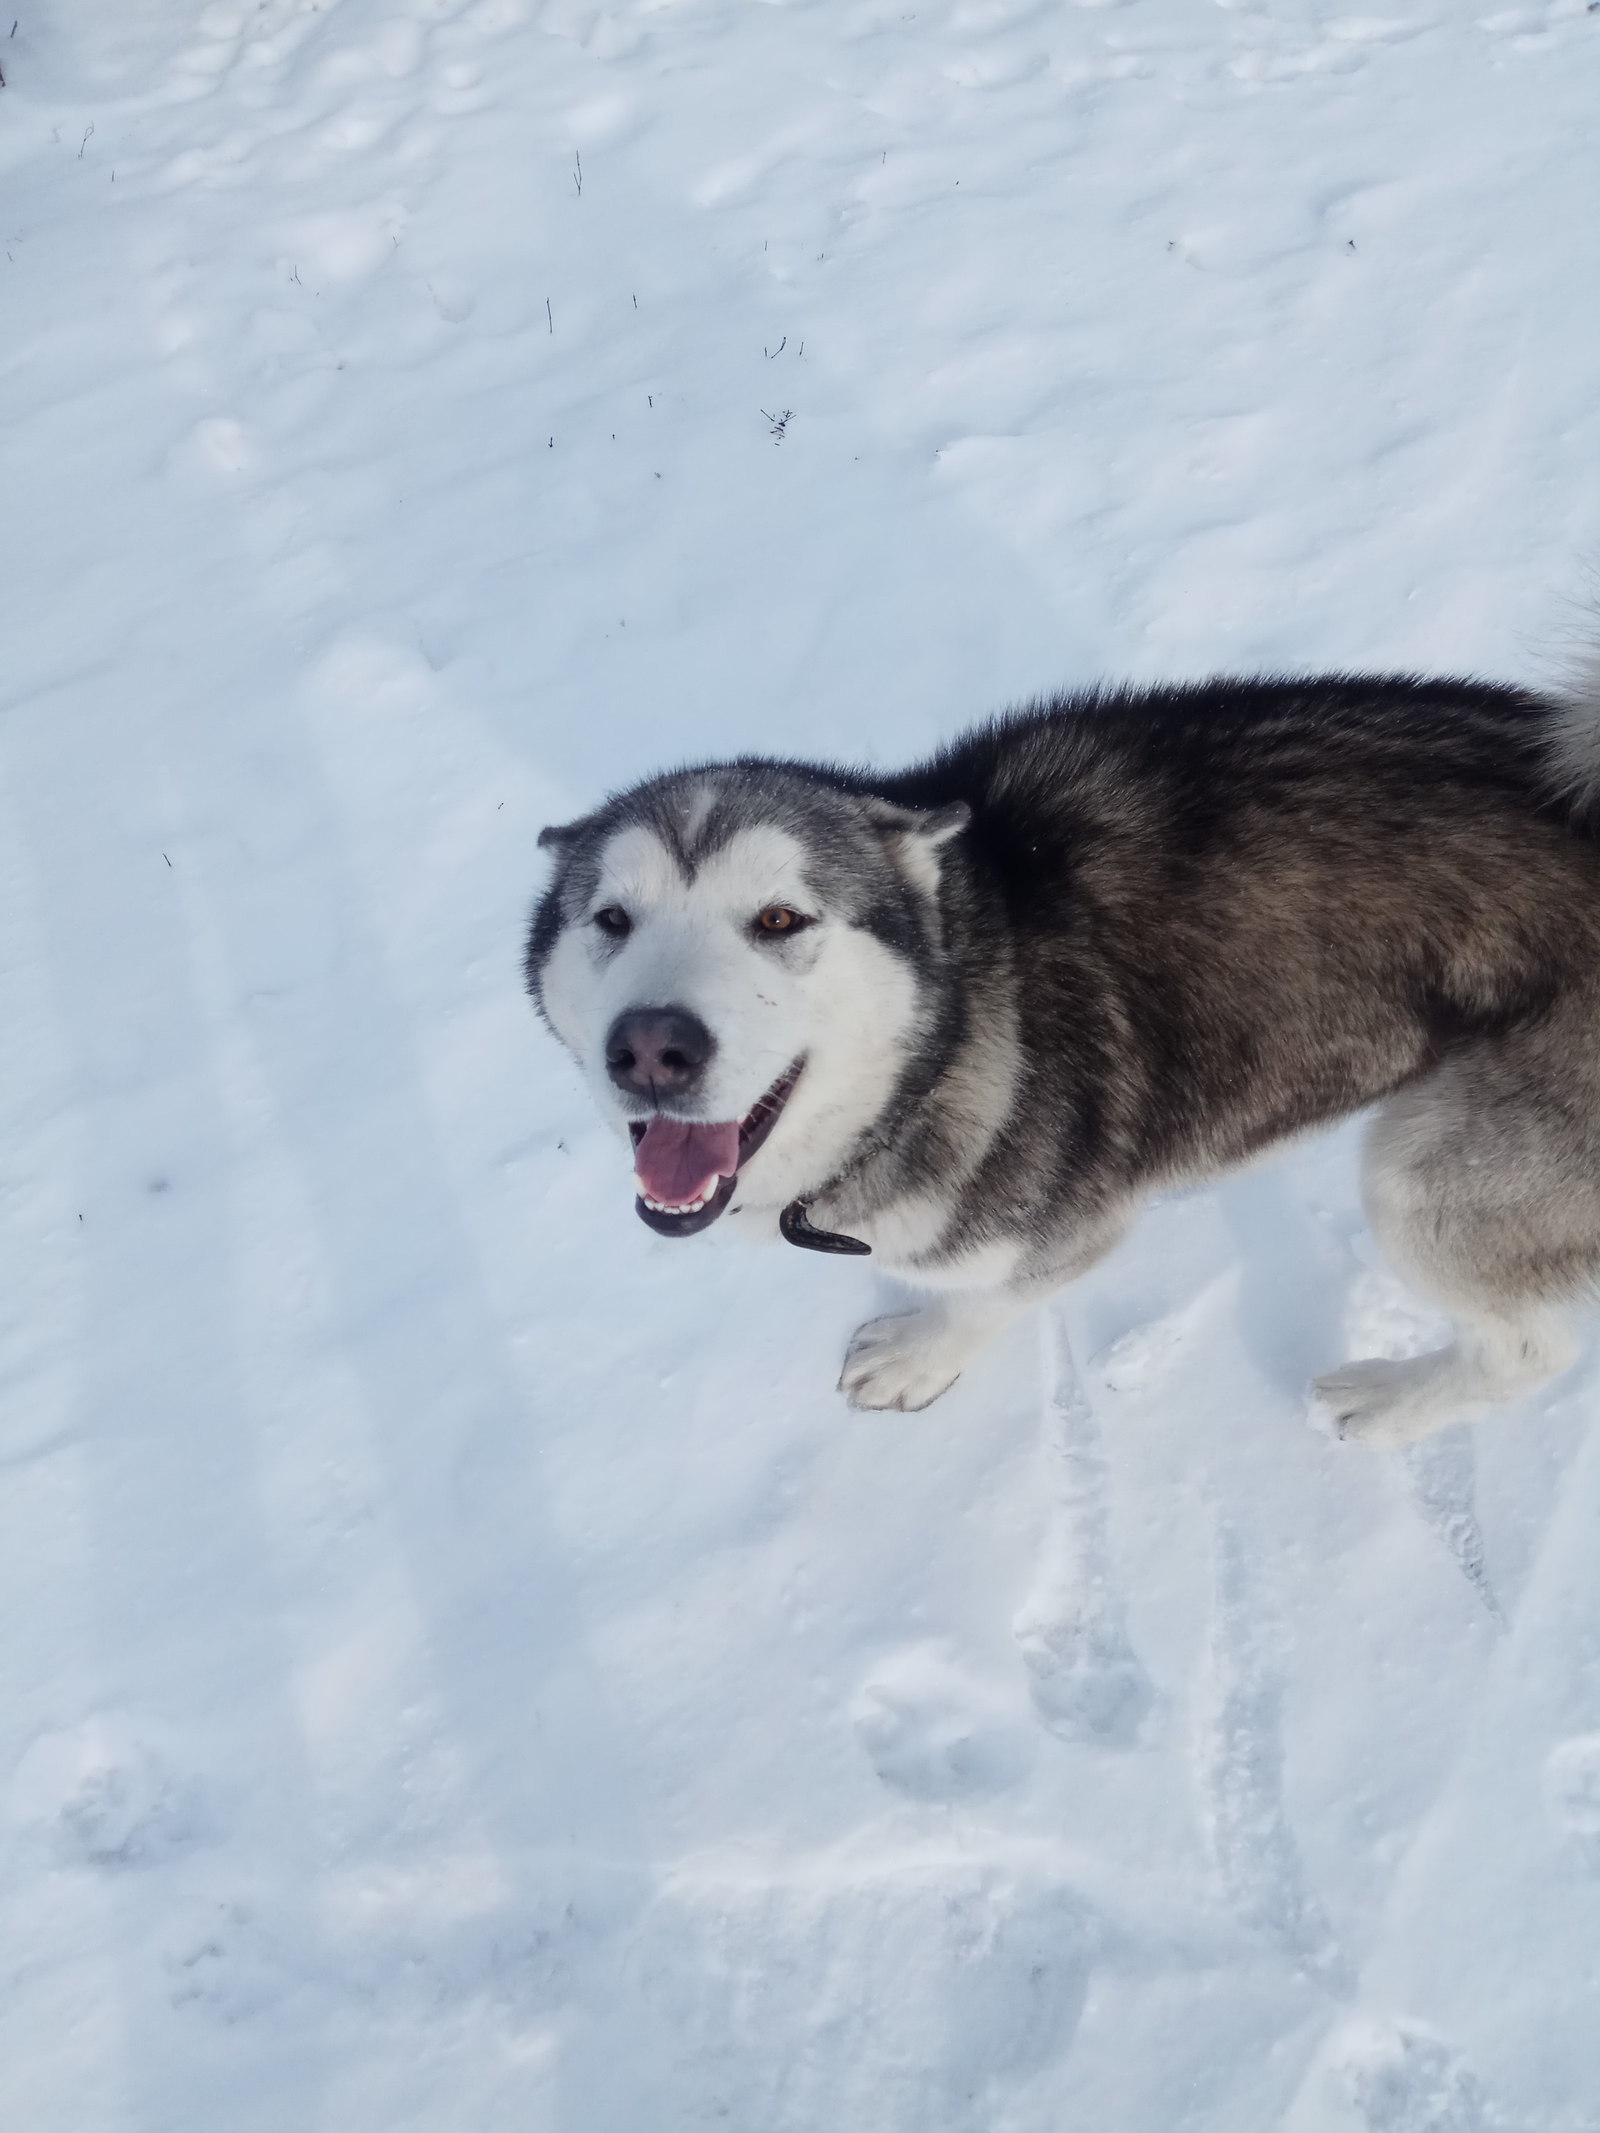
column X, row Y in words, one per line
column 1260, row 905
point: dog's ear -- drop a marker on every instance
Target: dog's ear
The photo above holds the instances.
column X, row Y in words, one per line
column 914, row 836
column 558, row 835
column 931, row 826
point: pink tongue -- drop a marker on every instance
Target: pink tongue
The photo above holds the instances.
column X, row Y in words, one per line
column 676, row 1160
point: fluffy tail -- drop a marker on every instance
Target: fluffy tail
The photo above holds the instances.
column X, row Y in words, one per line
column 1575, row 745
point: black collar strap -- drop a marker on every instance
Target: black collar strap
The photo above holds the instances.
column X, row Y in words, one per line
column 797, row 1229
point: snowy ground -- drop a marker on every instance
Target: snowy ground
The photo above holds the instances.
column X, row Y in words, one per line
column 463, row 1668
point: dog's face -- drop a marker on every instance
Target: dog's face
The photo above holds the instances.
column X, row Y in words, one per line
column 738, row 959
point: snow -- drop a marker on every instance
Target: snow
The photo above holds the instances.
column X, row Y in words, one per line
column 464, row 1667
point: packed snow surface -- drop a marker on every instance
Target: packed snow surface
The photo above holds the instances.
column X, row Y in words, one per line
column 463, row 1666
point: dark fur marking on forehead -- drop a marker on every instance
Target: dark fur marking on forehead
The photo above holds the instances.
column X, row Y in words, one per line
column 688, row 815
column 698, row 812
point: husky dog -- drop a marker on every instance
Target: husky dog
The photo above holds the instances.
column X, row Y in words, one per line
column 968, row 1015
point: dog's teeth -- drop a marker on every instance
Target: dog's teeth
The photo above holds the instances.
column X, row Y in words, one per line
column 668, row 1207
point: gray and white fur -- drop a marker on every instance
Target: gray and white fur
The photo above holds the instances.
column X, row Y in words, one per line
column 970, row 1014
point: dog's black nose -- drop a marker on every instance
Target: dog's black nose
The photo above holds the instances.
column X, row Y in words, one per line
column 656, row 1051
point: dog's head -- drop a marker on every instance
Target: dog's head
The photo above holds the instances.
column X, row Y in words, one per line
column 739, row 958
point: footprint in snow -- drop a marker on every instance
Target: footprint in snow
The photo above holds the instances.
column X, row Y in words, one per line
column 1382, row 1318
column 934, row 1732
column 1141, row 1357
column 902, row 1996
column 1087, row 1682
column 104, row 1798
column 1144, row 1356
column 1527, row 28
column 1402, row 2078
column 228, row 1967
column 1572, row 1793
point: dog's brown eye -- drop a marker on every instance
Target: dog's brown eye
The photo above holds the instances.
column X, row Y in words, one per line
column 614, row 920
column 779, row 918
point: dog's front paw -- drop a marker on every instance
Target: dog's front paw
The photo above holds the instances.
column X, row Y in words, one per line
column 903, row 1362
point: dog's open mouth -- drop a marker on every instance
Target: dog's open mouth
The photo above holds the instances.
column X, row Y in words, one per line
column 686, row 1169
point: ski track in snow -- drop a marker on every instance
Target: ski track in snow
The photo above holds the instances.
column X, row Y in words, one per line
column 465, row 1669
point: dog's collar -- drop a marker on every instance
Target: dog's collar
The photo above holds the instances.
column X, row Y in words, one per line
column 795, row 1226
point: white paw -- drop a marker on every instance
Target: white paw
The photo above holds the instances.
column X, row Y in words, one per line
column 1384, row 1401
column 903, row 1362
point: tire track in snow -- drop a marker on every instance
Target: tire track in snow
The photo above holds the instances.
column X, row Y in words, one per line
column 300, row 972
column 455, row 1464
column 171, row 1480
column 470, row 1793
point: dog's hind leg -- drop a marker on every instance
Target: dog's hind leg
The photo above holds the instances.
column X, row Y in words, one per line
column 1483, row 1186
column 1491, row 1362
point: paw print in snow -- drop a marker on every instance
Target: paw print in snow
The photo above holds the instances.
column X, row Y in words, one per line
column 932, row 1731
column 228, row 1968
column 104, row 1798
column 1402, row 2078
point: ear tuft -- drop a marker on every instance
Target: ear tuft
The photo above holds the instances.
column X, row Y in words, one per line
column 913, row 838
column 931, row 826
column 552, row 838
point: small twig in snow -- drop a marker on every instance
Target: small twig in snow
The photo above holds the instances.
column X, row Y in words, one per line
column 550, row 317
column 577, row 175
column 772, row 354
column 778, row 423
column 83, row 144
